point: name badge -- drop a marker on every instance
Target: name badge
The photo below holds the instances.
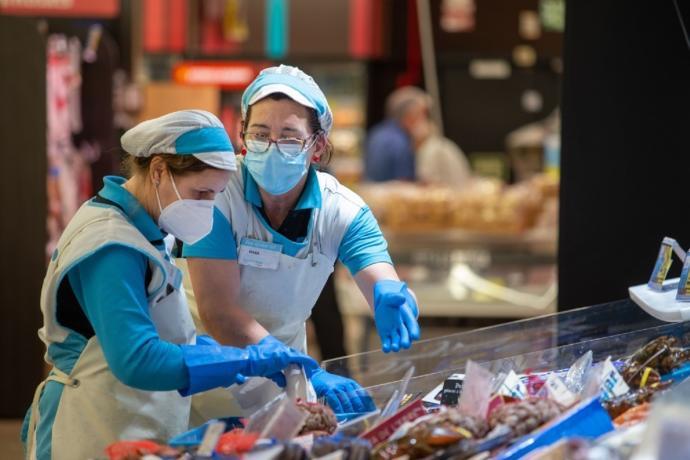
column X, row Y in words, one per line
column 259, row 254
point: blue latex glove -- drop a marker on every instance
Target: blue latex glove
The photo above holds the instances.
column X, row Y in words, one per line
column 211, row 365
column 342, row 394
column 395, row 314
column 270, row 341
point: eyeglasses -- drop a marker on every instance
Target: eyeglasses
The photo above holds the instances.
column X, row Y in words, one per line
column 290, row 146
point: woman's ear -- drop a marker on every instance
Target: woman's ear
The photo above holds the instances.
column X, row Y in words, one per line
column 156, row 170
column 243, row 148
column 319, row 148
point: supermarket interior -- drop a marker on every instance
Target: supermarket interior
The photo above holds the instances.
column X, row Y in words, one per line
column 350, row 229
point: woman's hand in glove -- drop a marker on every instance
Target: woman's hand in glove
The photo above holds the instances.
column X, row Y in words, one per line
column 342, row 394
column 395, row 314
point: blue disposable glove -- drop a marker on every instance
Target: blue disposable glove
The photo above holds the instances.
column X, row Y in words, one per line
column 395, row 314
column 272, row 342
column 211, row 365
column 342, row 394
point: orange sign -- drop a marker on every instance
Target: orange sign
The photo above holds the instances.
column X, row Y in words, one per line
column 61, row 8
column 232, row 75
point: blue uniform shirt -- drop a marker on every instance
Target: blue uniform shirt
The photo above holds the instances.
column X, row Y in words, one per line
column 110, row 287
column 389, row 153
column 362, row 245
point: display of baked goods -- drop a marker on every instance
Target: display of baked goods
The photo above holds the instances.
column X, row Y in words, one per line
column 483, row 205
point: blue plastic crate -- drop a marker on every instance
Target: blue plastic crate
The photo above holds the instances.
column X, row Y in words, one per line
column 588, row 419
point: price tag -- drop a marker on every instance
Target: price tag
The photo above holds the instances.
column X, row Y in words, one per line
column 452, row 388
column 559, row 392
column 513, row 386
column 210, row 439
column 434, row 396
column 381, row 432
column 664, row 261
column 684, row 284
column 612, row 382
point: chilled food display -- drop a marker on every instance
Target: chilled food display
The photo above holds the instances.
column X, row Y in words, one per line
column 507, row 414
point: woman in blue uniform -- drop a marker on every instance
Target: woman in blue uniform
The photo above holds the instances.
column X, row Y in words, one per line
column 116, row 324
column 279, row 227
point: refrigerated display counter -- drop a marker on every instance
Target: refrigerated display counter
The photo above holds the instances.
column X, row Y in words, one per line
column 546, row 342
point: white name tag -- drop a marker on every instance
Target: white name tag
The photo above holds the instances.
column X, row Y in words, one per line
column 259, row 254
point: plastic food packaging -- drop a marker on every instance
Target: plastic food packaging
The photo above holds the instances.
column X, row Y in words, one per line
column 254, row 394
column 604, row 380
column 298, row 386
column 359, row 425
column 556, row 390
column 476, row 390
column 512, row 386
column 575, row 378
column 281, row 419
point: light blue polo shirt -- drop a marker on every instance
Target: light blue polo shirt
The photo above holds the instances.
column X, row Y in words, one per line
column 363, row 243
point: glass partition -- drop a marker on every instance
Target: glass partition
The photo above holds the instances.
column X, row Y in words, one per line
column 527, row 338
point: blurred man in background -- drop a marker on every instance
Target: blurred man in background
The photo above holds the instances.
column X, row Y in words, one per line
column 390, row 146
column 408, row 146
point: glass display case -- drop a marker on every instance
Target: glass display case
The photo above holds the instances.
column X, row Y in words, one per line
column 549, row 342
column 457, row 273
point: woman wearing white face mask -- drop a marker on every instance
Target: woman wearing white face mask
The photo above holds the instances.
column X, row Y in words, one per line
column 281, row 228
column 117, row 328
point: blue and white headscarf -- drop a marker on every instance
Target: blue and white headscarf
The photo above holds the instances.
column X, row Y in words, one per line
column 295, row 84
column 186, row 132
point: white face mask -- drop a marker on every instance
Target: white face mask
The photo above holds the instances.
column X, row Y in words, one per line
column 187, row 220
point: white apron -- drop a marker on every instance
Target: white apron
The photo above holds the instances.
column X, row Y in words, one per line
column 281, row 300
column 95, row 408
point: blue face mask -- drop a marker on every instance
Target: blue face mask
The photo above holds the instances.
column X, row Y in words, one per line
column 274, row 172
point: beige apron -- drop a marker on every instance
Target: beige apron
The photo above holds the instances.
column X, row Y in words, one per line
column 95, row 408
